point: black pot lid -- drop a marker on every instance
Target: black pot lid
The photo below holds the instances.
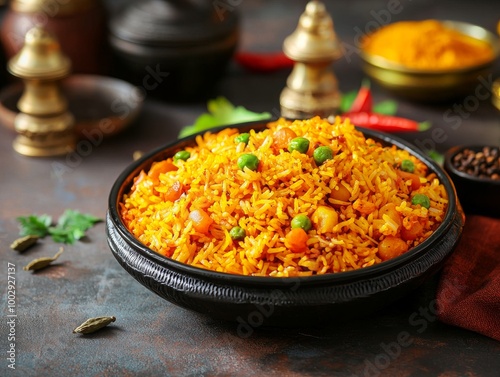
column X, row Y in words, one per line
column 173, row 22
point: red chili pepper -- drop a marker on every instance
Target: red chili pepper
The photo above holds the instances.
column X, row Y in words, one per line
column 263, row 62
column 386, row 123
column 363, row 101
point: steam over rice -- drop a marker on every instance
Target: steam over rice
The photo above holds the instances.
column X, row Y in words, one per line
column 362, row 183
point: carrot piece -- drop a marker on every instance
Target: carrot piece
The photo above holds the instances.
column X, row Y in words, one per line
column 415, row 180
column 364, row 206
column 201, row 220
column 160, row 167
column 415, row 230
column 174, row 192
column 296, row 240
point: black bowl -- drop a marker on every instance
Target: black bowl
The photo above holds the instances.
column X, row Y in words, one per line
column 300, row 301
column 477, row 195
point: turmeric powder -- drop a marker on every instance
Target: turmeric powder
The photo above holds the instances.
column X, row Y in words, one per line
column 427, row 45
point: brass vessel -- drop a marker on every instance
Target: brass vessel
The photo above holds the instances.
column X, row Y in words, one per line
column 433, row 85
column 496, row 85
column 51, row 7
column 496, row 93
column 312, row 87
column 80, row 27
column 44, row 125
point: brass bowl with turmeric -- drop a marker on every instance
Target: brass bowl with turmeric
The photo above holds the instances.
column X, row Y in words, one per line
column 429, row 60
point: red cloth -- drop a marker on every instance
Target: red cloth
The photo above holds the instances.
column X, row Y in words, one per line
column 468, row 293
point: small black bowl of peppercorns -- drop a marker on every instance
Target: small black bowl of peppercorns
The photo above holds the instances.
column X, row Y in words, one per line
column 475, row 172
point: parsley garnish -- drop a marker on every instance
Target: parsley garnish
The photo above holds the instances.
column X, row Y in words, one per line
column 70, row 227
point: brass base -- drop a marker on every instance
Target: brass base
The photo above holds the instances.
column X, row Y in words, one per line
column 26, row 147
column 44, row 136
column 304, row 105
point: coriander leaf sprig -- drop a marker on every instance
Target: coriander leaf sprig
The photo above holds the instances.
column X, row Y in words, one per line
column 222, row 112
column 71, row 226
column 34, row 225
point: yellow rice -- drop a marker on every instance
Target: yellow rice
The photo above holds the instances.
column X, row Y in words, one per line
column 263, row 202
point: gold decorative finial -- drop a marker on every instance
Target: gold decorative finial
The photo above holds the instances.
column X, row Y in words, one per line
column 311, row 87
column 44, row 125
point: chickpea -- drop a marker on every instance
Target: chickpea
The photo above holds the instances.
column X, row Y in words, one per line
column 282, row 138
column 391, row 247
column 340, row 193
column 390, row 210
column 324, row 219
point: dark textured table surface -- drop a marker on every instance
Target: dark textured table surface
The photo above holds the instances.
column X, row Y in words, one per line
column 152, row 337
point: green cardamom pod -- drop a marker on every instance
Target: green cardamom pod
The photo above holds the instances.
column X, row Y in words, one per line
column 40, row 263
column 23, row 243
column 94, row 324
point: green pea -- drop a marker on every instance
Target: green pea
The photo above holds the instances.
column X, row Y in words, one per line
column 408, row 165
column 182, row 155
column 301, row 221
column 242, row 138
column 322, row 154
column 248, row 160
column 300, row 144
column 421, row 199
column 237, row 233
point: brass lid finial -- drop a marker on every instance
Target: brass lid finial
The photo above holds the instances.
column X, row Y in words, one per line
column 44, row 125
column 40, row 58
column 314, row 38
column 311, row 87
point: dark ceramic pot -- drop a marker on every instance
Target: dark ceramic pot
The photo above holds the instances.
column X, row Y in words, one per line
column 477, row 195
column 256, row 301
column 173, row 49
